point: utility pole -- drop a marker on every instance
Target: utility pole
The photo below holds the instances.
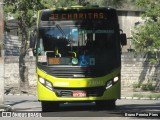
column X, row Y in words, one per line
column 1, row 54
column 3, row 107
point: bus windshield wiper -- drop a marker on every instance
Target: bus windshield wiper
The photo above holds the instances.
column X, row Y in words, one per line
column 64, row 35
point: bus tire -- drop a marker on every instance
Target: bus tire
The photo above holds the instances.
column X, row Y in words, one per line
column 49, row 106
column 106, row 104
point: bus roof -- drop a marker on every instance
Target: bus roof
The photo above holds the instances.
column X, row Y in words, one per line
column 78, row 7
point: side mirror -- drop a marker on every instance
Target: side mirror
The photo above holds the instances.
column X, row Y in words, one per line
column 123, row 39
column 32, row 40
column 33, row 37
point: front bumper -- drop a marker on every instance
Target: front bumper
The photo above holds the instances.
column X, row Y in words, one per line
column 45, row 94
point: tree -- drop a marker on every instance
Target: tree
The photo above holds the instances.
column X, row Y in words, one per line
column 23, row 11
column 58, row 3
column 146, row 36
column 112, row 3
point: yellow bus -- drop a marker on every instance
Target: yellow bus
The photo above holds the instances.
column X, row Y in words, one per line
column 78, row 56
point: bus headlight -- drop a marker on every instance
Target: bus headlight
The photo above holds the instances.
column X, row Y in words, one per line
column 41, row 80
column 115, row 79
column 46, row 83
column 111, row 82
column 49, row 85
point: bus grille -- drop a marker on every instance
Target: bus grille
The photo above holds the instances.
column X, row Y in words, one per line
column 73, row 72
column 90, row 92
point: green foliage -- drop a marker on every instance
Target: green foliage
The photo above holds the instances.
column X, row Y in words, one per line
column 138, row 95
column 152, row 61
column 58, row 3
column 147, row 87
column 144, row 87
column 26, row 9
column 146, row 36
column 136, row 85
column 122, row 4
column 112, row 3
column 150, row 96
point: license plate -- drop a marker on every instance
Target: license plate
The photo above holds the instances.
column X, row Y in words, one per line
column 79, row 94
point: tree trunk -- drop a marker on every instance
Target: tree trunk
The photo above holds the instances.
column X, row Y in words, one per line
column 23, row 72
column 23, row 69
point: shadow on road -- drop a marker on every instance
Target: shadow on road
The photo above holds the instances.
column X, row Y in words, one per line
column 91, row 110
column 19, row 102
column 82, row 110
column 133, row 108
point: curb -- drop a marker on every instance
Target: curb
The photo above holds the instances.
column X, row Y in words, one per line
column 21, row 94
column 7, row 108
column 138, row 98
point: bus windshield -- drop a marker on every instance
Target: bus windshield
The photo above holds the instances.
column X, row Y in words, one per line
column 97, row 46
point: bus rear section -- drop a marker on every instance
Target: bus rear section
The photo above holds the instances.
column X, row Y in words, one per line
column 78, row 56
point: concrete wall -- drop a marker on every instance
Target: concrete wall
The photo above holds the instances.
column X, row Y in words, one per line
column 135, row 69
column 11, row 73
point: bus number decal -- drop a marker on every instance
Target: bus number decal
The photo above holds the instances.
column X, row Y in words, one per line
column 94, row 83
column 61, row 84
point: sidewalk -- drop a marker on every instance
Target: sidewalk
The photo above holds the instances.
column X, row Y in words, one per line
column 5, row 108
column 129, row 93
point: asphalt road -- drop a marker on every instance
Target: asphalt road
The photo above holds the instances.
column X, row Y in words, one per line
column 125, row 108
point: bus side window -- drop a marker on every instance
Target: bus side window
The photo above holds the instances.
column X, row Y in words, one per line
column 89, row 41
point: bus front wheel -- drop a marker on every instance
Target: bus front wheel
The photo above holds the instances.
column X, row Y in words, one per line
column 106, row 104
column 49, row 106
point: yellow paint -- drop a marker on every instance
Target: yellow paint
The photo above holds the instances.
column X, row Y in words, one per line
column 52, row 8
column 38, row 17
column 77, row 6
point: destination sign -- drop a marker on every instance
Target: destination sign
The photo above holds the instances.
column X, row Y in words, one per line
column 75, row 16
column 52, row 15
